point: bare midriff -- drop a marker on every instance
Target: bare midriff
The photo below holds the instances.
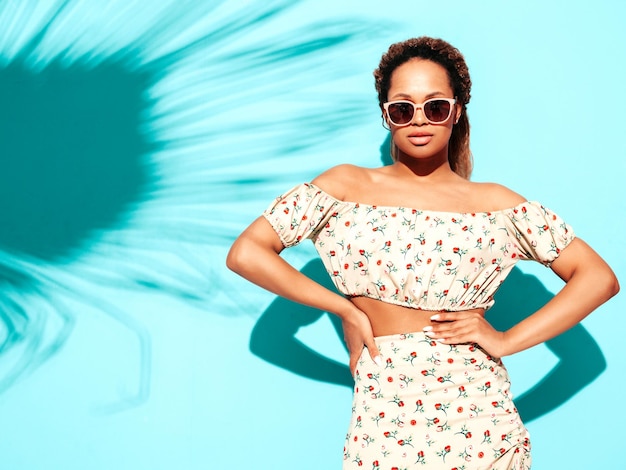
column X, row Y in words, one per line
column 391, row 319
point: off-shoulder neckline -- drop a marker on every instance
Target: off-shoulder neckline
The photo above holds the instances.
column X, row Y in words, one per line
column 422, row 211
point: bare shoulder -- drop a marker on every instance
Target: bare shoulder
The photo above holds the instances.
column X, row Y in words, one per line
column 495, row 196
column 338, row 180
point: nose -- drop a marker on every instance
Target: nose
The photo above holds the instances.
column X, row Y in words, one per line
column 419, row 118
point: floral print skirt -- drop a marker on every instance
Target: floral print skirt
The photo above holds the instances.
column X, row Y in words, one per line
column 433, row 406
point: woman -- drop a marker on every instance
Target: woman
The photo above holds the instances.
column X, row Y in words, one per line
column 418, row 251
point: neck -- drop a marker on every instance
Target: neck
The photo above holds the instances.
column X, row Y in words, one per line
column 432, row 168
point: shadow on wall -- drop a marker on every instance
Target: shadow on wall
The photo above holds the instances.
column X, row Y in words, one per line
column 580, row 359
column 73, row 154
column 73, row 165
column 112, row 152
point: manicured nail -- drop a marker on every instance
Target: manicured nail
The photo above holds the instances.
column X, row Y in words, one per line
column 427, row 328
column 430, row 333
column 379, row 361
column 435, row 317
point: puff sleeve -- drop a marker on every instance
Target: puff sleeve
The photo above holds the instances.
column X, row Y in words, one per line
column 300, row 213
column 539, row 234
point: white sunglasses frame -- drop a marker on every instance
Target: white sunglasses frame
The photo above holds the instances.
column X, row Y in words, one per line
column 386, row 105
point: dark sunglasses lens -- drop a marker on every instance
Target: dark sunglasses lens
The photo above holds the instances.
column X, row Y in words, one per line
column 401, row 113
column 437, row 110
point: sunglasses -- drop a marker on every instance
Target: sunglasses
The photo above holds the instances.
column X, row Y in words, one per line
column 436, row 110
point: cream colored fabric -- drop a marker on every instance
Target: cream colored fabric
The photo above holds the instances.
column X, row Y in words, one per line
column 430, row 260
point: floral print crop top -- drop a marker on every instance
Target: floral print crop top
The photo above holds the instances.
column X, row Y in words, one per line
column 424, row 259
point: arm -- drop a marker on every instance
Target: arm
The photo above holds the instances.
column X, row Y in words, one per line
column 589, row 283
column 255, row 255
column 274, row 339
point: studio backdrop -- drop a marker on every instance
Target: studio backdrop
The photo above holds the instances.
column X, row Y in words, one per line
column 139, row 138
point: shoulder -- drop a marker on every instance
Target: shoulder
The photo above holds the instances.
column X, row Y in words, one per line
column 496, row 196
column 338, row 180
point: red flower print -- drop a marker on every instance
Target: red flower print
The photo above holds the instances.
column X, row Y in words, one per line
column 481, row 455
column 361, row 252
column 472, row 259
column 450, row 360
column 347, row 224
column 436, row 420
column 332, row 253
column 401, row 404
column 438, row 406
column 386, row 433
column 459, row 409
column 389, row 379
column 418, row 402
column 468, row 435
column 304, row 217
column 413, row 422
column 381, row 414
column 424, row 372
column 447, row 448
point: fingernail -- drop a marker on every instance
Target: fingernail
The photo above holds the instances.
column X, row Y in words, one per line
column 435, row 317
column 430, row 333
column 379, row 361
column 427, row 328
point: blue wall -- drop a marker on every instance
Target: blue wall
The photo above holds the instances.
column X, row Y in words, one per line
column 137, row 139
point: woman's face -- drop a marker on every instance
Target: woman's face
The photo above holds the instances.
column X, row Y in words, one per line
column 416, row 81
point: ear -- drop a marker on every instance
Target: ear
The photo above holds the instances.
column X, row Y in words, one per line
column 459, row 111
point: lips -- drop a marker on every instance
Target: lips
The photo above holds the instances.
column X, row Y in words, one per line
column 420, row 138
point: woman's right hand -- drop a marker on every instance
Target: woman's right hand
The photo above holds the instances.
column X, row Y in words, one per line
column 357, row 333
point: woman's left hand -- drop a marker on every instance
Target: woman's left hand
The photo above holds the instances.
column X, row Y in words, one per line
column 467, row 326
